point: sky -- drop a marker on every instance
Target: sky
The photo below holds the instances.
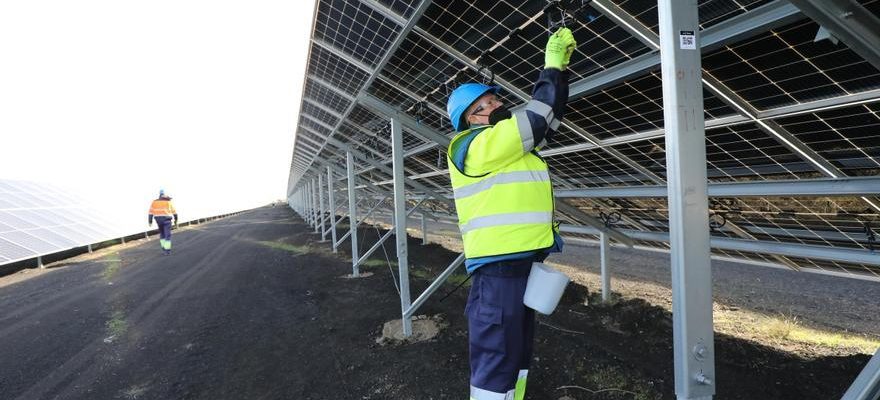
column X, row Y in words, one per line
column 116, row 99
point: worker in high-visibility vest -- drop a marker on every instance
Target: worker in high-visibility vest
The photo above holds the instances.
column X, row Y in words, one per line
column 164, row 212
column 504, row 200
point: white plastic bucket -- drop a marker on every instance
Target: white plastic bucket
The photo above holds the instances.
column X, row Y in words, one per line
column 544, row 289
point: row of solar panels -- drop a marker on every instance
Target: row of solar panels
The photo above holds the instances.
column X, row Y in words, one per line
column 793, row 107
column 38, row 219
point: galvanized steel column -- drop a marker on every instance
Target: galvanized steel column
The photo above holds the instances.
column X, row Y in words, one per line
column 321, row 205
column 400, row 223
column 604, row 259
column 332, row 202
column 352, row 213
column 308, row 198
column 424, row 230
column 315, row 189
column 693, row 342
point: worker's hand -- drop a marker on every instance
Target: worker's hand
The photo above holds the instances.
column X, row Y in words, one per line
column 560, row 45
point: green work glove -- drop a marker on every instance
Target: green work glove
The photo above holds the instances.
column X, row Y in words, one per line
column 560, row 45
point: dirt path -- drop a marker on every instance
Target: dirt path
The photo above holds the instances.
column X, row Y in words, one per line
column 252, row 307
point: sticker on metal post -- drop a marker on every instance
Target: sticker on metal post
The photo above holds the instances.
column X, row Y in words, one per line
column 687, row 40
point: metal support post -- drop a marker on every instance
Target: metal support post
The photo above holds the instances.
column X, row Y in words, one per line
column 90, row 248
column 312, row 214
column 867, row 384
column 400, row 223
column 605, row 258
column 332, row 207
column 40, row 263
column 352, row 213
column 321, row 206
column 315, row 204
column 693, row 341
column 308, row 204
column 424, row 230
column 305, row 200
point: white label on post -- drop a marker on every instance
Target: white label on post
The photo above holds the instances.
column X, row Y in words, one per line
column 687, row 40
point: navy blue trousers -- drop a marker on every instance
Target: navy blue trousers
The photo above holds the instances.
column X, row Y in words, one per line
column 501, row 329
column 164, row 224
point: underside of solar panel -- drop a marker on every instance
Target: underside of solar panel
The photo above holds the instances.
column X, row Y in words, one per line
column 786, row 107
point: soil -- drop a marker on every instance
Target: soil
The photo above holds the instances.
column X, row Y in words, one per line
column 255, row 307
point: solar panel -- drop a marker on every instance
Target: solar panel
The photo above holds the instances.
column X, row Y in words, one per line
column 780, row 106
column 39, row 219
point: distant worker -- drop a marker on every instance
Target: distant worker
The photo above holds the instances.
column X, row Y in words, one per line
column 504, row 201
column 164, row 211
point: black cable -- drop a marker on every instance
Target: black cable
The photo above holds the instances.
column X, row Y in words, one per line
column 457, row 287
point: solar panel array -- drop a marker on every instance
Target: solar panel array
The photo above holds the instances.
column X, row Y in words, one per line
column 780, row 105
column 38, row 219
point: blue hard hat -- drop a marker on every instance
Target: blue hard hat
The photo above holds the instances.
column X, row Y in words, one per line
column 462, row 98
column 161, row 192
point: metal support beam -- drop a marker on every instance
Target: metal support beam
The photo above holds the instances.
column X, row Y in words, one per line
column 848, row 21
column 321, row 206
column 434, row 285
column 382, row 108
column 331, row 87
column 837, row 254
column 424, row 230
column 332, row 201
column 322, row 107
column 352, row 214
column 867, row 384
column 343, row 55
column 400, row 223
column 604, row 259
column 825, row 187
column 307, row 204
column 745, row 25
column 583, row 217
column 315, row 204
column 693, row 340
column 385, row 12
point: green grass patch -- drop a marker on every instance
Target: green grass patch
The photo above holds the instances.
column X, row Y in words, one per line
column 113, row 266
column 376, row 263
column 286, row 247
column 788, row 328
column 117, row 325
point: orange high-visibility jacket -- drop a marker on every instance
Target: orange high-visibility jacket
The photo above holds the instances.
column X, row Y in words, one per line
column 162, row 208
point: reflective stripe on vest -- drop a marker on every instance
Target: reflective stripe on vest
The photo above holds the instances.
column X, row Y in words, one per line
column 490, row 221
column 482, row 394
column 525, row 127
column 502, row 178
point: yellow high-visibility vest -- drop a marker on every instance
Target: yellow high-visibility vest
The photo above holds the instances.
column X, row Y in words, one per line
column 503, row 197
